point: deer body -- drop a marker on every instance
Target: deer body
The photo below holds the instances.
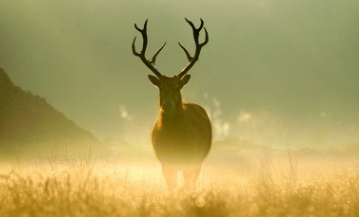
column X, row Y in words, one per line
column 181, row 141
column 181, row 137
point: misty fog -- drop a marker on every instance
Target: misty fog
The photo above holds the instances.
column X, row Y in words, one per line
column 274, row 72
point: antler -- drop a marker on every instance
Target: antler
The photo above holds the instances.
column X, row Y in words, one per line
column 149, row 63
column 193, row 60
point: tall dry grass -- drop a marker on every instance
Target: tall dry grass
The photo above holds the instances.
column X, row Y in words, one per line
column 264, row 187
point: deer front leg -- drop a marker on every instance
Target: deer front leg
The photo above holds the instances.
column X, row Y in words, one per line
column 190, row 175
column 170, row 175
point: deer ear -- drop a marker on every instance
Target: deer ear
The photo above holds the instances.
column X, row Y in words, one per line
column 185, row 80
column 154, row 80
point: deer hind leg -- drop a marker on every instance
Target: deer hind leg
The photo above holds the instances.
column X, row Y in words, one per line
column 190, row 175
column 170, row 175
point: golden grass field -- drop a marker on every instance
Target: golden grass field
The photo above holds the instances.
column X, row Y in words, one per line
column 256, row 185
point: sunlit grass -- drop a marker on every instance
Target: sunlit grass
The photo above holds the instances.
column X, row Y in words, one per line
column 266, row 187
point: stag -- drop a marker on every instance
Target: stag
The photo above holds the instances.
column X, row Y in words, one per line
column 181, row 137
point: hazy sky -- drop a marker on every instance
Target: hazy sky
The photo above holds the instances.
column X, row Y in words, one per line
column 274, row 71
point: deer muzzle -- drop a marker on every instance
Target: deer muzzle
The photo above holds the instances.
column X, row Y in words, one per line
column 168, row 105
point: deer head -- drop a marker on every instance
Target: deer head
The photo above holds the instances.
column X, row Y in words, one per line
column 170, row 87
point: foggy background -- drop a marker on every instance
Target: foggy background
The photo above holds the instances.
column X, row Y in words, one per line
column 274, row 72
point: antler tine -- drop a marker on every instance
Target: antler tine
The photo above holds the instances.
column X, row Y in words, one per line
column 144, row 36
column 193, row 60
column 149, row 63
column 153, row 60
column 187, row 53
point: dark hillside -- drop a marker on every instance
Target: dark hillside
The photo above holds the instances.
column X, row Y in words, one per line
column 28, row 122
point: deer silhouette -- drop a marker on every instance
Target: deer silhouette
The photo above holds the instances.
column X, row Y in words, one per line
column 181, row 137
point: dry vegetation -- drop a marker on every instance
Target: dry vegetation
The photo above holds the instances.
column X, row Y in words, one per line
column 260, row 185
